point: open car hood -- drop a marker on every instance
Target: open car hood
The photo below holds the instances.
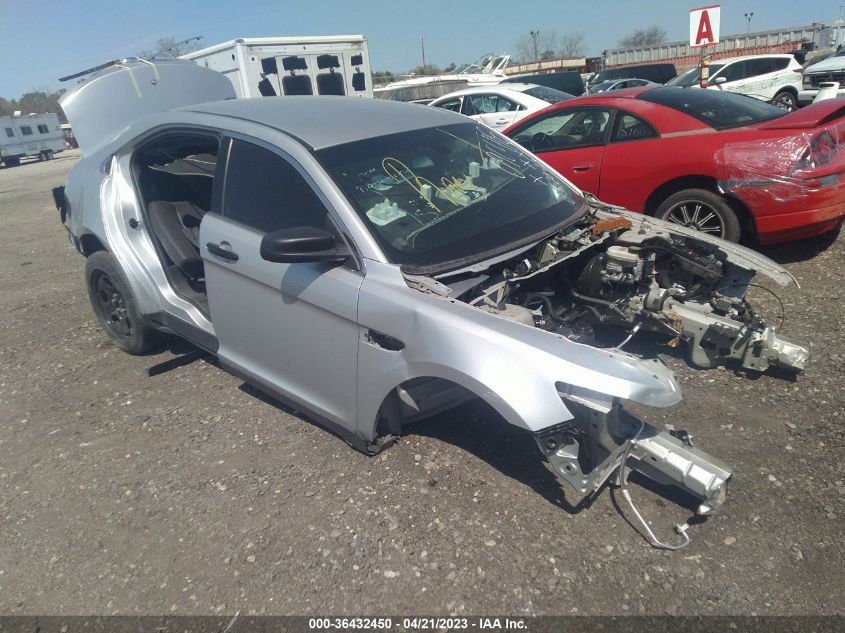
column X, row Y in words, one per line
column 103, row 105
column 740, row 255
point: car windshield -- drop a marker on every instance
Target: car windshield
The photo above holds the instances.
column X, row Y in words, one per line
column 549, row 95
column 715, row 108
column 440, row 197
column 690, row 78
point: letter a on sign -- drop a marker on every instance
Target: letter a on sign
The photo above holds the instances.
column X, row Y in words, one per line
column 704, row 26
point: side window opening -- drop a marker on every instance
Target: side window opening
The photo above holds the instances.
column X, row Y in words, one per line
column 452, row 104
column 632, row 128
column 293, row 84
column 267, row 193
column 359, row 81
column 330, row 83
column 265, row 86
column 10, row 132
column 26, row 130
column 734, row 72
column 566, row 129
column 779, row 64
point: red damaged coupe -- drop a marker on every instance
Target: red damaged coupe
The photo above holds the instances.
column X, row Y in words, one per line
column 720, row 162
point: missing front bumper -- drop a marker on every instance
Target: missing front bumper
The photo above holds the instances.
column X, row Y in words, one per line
column 588, row 450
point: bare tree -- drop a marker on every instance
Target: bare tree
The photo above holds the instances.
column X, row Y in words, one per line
column 536, row 44
column 428, row 69
column 644, row 37
column 168, row 47
column 572, row 44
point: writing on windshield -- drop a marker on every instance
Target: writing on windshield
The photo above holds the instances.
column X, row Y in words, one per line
column 442, row 192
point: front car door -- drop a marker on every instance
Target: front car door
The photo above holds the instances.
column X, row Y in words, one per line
column 449, row 104
column 628, row 164
column 731, row 77
column 494, row 111
column 571, row 140
column 291, row 328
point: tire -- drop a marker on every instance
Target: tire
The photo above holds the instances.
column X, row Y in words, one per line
column 115, row 305
column 786, row 100
column 702, row 210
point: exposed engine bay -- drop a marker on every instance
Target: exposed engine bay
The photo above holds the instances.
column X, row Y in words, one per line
column 610, row 270
column 600, row 281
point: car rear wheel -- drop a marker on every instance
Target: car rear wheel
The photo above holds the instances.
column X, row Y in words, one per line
column 115, row 305
column 786, row 100
column 703, row 211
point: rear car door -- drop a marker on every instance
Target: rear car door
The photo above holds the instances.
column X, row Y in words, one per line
column 759, row 73
column 290, row 327
column 571, row 140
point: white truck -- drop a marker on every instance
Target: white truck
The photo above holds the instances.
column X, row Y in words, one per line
column 279, row 66
column 29, row 135
column 828, row 73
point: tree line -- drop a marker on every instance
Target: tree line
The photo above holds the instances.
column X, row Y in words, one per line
column 38, row 101
column 542, row 45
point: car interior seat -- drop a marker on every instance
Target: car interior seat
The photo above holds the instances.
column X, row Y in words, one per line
column 176, row 225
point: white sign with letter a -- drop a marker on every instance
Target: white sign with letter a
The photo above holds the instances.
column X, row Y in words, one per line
column 704, row 26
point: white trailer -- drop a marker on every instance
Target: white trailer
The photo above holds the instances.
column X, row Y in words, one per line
column 279, row 66
column 29, row 135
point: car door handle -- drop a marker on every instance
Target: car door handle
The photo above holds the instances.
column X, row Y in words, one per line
column 222, row 250
column 584, row 167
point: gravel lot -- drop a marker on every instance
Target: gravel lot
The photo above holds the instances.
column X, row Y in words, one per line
column 188, row 492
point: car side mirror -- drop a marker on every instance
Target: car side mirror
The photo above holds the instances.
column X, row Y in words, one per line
column 302, row 244
column 720, row 80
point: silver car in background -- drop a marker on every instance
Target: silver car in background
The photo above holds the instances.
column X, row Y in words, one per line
column 375, row 262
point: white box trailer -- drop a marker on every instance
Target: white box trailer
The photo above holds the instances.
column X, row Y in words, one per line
column 29, row 135
column 284, row 66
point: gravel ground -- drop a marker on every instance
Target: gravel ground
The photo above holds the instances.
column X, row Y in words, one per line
column 188, row 492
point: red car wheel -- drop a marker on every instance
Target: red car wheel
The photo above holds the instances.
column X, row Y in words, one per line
column 703, row 211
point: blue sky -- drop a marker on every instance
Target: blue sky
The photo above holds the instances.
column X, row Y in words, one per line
column 46, row 39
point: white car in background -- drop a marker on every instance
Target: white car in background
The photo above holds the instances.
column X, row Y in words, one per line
column 773, row 78
column 499, row 106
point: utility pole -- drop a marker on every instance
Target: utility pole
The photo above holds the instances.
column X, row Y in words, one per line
column 422, row 46
column 534, row 35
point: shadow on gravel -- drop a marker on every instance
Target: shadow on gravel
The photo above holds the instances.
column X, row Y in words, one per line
column 477, row 429
column 800, row 250
column 185, row 354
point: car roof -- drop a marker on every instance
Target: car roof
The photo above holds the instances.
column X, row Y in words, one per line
column 511, row 87
column 729, row 60
column 326, row 121
column 625, row 93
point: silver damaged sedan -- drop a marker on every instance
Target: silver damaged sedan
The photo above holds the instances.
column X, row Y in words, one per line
column 375, row 262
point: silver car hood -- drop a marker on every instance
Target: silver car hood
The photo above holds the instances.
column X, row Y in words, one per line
column 739, row 255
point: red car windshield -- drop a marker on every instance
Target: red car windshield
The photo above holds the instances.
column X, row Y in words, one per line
column 717, row 109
